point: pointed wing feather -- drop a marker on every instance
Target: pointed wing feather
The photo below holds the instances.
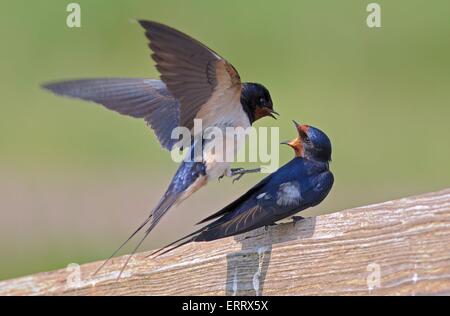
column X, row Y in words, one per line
column 233, row 205
column 140, row 98
column 266, row 211
column 193, row 73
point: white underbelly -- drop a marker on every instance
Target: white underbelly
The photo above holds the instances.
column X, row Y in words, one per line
column 215, row 169
column 224, row 112
column 218, row 155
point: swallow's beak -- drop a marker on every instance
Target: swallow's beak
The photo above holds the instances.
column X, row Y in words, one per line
column 296, row 143
column 301, row 129
column 292, row 143
column 272, row 114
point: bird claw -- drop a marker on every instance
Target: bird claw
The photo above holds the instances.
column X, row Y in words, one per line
column 240, row 172
column 296, row 219
column 236, row 171
column 238, row 177
column 266, row 227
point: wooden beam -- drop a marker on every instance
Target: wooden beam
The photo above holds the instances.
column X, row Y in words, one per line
column 398, row 247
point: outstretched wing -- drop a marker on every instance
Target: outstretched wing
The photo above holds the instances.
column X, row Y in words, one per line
column 196, row 83
column 203, row 82
column 141, row 98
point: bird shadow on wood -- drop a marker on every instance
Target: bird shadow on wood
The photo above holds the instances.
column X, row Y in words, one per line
column 247, row 268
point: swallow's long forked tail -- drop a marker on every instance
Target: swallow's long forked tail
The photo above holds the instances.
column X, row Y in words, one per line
column 163, row 206
column 123, row 244
column 189, row 177
column 164, row 249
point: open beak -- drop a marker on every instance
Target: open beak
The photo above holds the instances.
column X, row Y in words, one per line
column 301, row 129
column 292, row 142
column 272, row 114
column 295, row 144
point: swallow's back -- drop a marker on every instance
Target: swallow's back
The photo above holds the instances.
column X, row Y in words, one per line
column 298, row 185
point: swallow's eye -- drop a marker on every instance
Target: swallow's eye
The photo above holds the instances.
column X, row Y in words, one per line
column 306, row 139
column 262, row 101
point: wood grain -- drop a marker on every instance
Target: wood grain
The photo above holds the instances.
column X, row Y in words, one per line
column 398, row 247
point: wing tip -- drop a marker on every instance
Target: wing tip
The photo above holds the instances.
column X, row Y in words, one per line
column 62, row 88
column 153, row 28
column 213, row 216
column 148, row 24
column 51, row 86
column 143, row 23
column 203, row 221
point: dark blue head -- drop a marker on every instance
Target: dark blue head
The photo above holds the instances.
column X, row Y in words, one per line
column 256, row 101
column 311, row 143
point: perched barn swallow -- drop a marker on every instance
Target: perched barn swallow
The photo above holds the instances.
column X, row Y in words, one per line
column 301, row 183
column 196, row 83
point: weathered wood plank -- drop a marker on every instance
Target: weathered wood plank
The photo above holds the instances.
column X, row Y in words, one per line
column 396, row 247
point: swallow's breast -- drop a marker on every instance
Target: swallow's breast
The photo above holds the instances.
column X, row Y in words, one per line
column 223, row 139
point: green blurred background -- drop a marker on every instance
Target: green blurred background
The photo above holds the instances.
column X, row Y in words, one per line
column 76, row 179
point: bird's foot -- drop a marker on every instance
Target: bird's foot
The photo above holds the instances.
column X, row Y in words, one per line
column 239, row 172
column 266, row 228
column 296, row 219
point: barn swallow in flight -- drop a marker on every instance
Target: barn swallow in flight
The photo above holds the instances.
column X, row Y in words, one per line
column 196, row 83
column 303, row 182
